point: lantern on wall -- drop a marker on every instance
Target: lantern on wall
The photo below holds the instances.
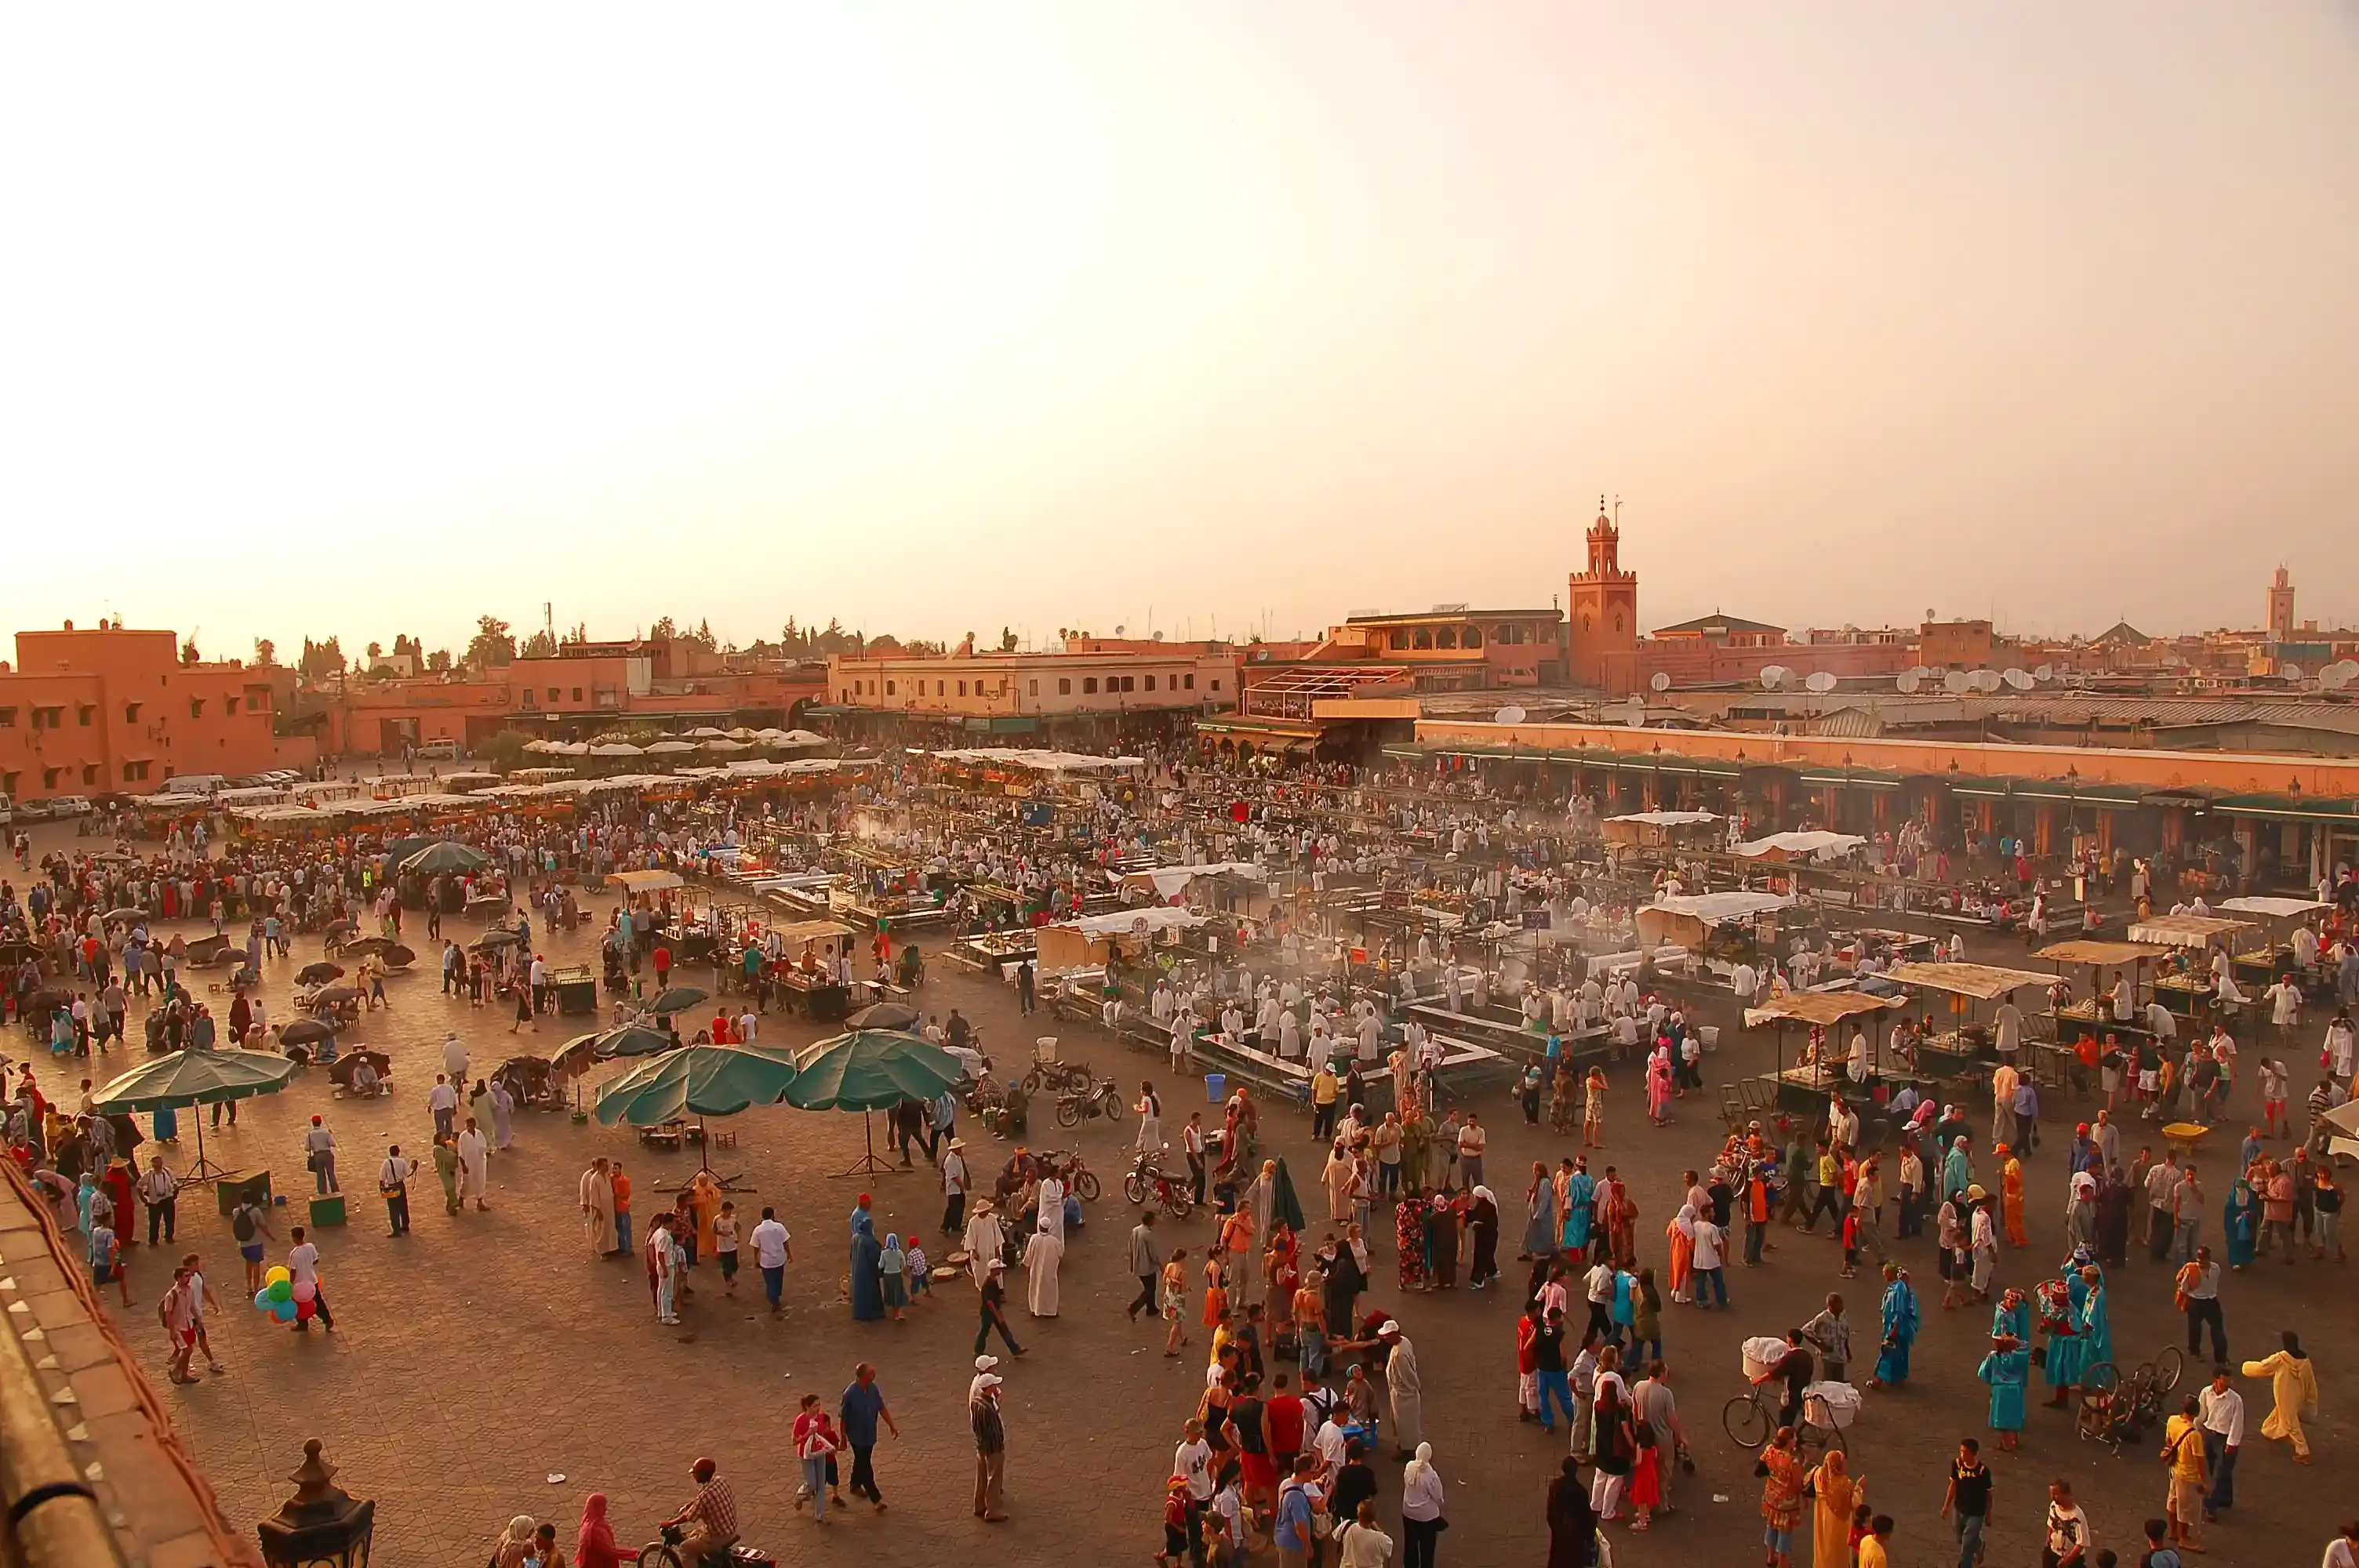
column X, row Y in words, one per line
column 322, row 1526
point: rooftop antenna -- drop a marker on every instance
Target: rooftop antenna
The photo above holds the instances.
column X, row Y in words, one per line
column 1617, row 512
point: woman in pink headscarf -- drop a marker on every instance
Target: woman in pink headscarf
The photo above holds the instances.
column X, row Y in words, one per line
column 595, row 1547
column 1658, row 1083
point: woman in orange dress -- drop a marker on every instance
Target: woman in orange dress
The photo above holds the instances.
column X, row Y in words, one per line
column 1682, row 1253
column 2011, row 1192
column 1216, row 1293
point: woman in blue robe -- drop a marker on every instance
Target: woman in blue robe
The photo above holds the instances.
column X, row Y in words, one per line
column 867, row 1269
column 2007, row 1369
column 167, row 1122
column 2242, row 1221
column 1539, row 1228
column 1579, row 1193
column 2096, row 1326
column 2059, row 1313
column 1899, row 1316
column 2012, row 1319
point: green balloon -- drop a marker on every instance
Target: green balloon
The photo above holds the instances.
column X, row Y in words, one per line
column 284, row 1291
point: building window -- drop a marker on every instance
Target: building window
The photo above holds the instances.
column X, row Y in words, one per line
column 1089, row 686
column 84, row 713
column 133, row 773
column 889, row 687
column 1446, row 638
column 1150, row 683
column 1036, row 689
column 1471, row 638
column 89, row 773
column 553, row 694
column 938, row 688
column 1130, row 682
column 1064, row 685
column 131, row 713
column 1191, row 680
column 8, row 784
column 7, row 719
column 1617, row 621
column 49, row 777
column 49, row 717
column 1216, row 683
column 577, row 693
column 963, row 688
column 196, row 708
column 1400, row 641
column 229, row 705
column 529, row 699
column 1424, row 638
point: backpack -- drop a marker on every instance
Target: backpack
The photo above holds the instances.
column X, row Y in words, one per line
column 242, row 1224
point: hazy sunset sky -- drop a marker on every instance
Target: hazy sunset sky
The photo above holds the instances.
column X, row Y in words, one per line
column 942, row 318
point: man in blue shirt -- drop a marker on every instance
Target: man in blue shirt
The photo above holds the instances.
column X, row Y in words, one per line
column 864, row 1406
column 1292, row 1530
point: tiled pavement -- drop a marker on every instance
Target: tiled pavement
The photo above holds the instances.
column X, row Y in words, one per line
column 490, row 1352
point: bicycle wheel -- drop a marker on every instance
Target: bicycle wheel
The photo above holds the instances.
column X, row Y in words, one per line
column 2169, row 1368
column 2093, row 1423
column 1086, row 1184
column 1745, row 1422
column 2101, row 1379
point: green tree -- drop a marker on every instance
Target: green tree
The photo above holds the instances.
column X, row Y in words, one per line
column 376, row 650
column 438, row 661
column 504, row 752
column 322, row 660
column 492, row 645
column 539, row 645
column 266, row 651
column 1007, row 639
column 662, row 631
column 189, row 655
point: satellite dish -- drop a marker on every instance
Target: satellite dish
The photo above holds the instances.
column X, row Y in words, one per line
column 2349, row 669
column 2290, row 672
column 2334, row 677
column 1955, row 683
column 2017, row 679
column 1907, row 680
column 1637, row 717
column 1987, row 680
column 1774, row 676
column 1510, row 714
column 1661, row 680
column 2044, row 673
column 1821, row 682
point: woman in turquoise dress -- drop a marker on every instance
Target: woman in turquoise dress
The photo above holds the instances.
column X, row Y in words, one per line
column 2013, row 1319
column 1579, row 1193
column 1539, row 1228
column 168, row 1125
column 2059, row 1317
column 2007, row 1369
column 2097, row 1326
column 2242, row 1221
column 1899, row 1319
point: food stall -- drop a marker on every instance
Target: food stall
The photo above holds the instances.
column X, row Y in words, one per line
column 2259, row 967
column 1963, row 1048
column 1715, row 931
column 1819, row 1070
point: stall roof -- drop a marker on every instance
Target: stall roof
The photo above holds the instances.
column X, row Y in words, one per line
column 2090, row 950
column 646, row 881
column 1718, row 908
column 1167, row 880
column 1668, row 818
column 1816, row 843
column 2275, row 908
column 1155, row 918
column 2187, row 930
column 814, row 931
column 1820, row 1007
column 1983, row 981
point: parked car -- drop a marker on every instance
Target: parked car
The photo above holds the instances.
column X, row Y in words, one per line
column 71, row 805
column 33, row 811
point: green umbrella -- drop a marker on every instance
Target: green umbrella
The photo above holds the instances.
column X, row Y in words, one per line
column 447, row 856
column 196, row 1077
column 871, row 1069
column 1283, row 1203
column 698, row 1081
column 695, row 1080
column 677, row 998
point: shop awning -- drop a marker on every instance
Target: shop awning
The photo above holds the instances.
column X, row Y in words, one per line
column 2289, row 808
column 1996, row 787
column 2069, row 792
column 1858, row 778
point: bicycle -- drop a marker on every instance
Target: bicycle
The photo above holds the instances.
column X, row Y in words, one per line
column 2115, row 1409
column 1750, row 1420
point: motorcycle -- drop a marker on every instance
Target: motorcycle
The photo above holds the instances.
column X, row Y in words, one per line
column 1062, row 1077
column 1104, row 1100
column 1076, row 1174
column 1176, row 1194
column 667, row 1553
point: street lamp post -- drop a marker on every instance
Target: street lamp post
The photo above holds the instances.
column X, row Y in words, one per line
column 322, row 1526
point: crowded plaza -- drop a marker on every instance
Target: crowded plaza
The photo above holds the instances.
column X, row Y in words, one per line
column 1431, row 1160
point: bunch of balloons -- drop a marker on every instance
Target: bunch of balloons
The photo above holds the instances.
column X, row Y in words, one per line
column 286, row 1299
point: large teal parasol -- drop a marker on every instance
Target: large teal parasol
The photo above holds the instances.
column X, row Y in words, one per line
column 187, row 1079
column 447, row 856
column 871, row 1069
column 695, row 1080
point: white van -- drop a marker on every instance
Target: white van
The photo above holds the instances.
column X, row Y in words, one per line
column 8, row 811
column 194, row 783
column 442, row 751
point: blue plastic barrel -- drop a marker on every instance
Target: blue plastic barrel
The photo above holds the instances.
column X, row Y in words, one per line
column 1216, row 1088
